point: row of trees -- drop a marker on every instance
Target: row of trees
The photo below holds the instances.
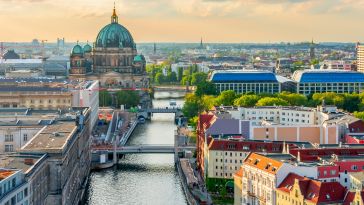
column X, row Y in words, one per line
column 127, row 98
column 205, row 98
column 189, row 76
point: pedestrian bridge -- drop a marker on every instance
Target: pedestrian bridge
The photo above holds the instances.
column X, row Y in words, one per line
column 162, row 110
column 147, row 149
column 147, row 113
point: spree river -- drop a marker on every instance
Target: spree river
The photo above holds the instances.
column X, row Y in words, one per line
column 142, row 178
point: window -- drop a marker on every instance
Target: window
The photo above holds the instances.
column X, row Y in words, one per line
column 13, row 201
column 333, row 172
column 9, row 148
column 354, row 167
column 20, row 196
column 9, row 138
column 25, row 192
column 13, row 182
column 25, row 137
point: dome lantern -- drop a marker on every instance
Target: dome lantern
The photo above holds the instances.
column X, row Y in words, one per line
column 114, row 17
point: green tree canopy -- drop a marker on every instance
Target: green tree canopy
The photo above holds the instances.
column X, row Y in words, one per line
column 159, row 78
column 246, row 100
column 205, row 88
column 271, row 101
column 226, row 98
column 198, row 78
column 105, row 98
column 294, row 99
column 128, row 98
column 330, row 99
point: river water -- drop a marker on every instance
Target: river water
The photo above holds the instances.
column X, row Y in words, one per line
column 142, row 178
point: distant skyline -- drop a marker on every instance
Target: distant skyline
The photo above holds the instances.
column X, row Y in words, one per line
column 216, row 21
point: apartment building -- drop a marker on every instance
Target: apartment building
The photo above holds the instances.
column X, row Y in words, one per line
column 296, row 189
column 262, row 173
column 360, row 55
column 225, row 156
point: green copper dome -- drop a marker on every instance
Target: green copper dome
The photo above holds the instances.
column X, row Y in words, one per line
column 87, row 48
column 139, row 58
column 77, row 50
column 114, row 35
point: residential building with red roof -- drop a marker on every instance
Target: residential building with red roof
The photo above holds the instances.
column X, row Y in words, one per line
column 225, row 156
column 296, row 189
column 262, row 173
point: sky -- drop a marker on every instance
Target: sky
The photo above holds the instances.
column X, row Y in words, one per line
column 218, row 21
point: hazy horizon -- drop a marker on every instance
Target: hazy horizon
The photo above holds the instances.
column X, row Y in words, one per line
column 176, row 21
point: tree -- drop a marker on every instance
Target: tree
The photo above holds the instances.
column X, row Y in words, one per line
column 186, row 80
column 159, row 78
column 205, row 88
column 180, row 73
column 207, row 102
column 105, row 98
column 191, row 106
column 198, row 78
column 351, row 102
column 246, row 100
column 128, row 98
column 359, row 115
column 330, row 98
column 226, row 98
column 294, row 99
column 172, row 77
column 271, row 101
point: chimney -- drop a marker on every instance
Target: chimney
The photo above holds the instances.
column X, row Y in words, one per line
column 299, row 156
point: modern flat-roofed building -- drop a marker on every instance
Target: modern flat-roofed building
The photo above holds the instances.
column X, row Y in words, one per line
column 321, row 81
column 245, row 81
column 360, row 56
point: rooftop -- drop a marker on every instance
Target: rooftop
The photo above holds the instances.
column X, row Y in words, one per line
column 19, row 161
column 312, row 190
column 52, row 138
column 5, row 173
column 329, row 76
column 31, row 89
column 266, row 162
column 243, row 75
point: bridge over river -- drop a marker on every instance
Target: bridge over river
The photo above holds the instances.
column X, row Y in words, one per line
column 147, row 149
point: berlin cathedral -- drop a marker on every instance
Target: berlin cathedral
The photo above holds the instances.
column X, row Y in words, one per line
column 113, row 59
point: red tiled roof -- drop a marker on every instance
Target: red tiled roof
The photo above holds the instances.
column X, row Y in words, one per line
column 315, row 191
column 239, row 173
column 249, row 146
column 263, row 163
column 313, row 154
column 349, row 198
